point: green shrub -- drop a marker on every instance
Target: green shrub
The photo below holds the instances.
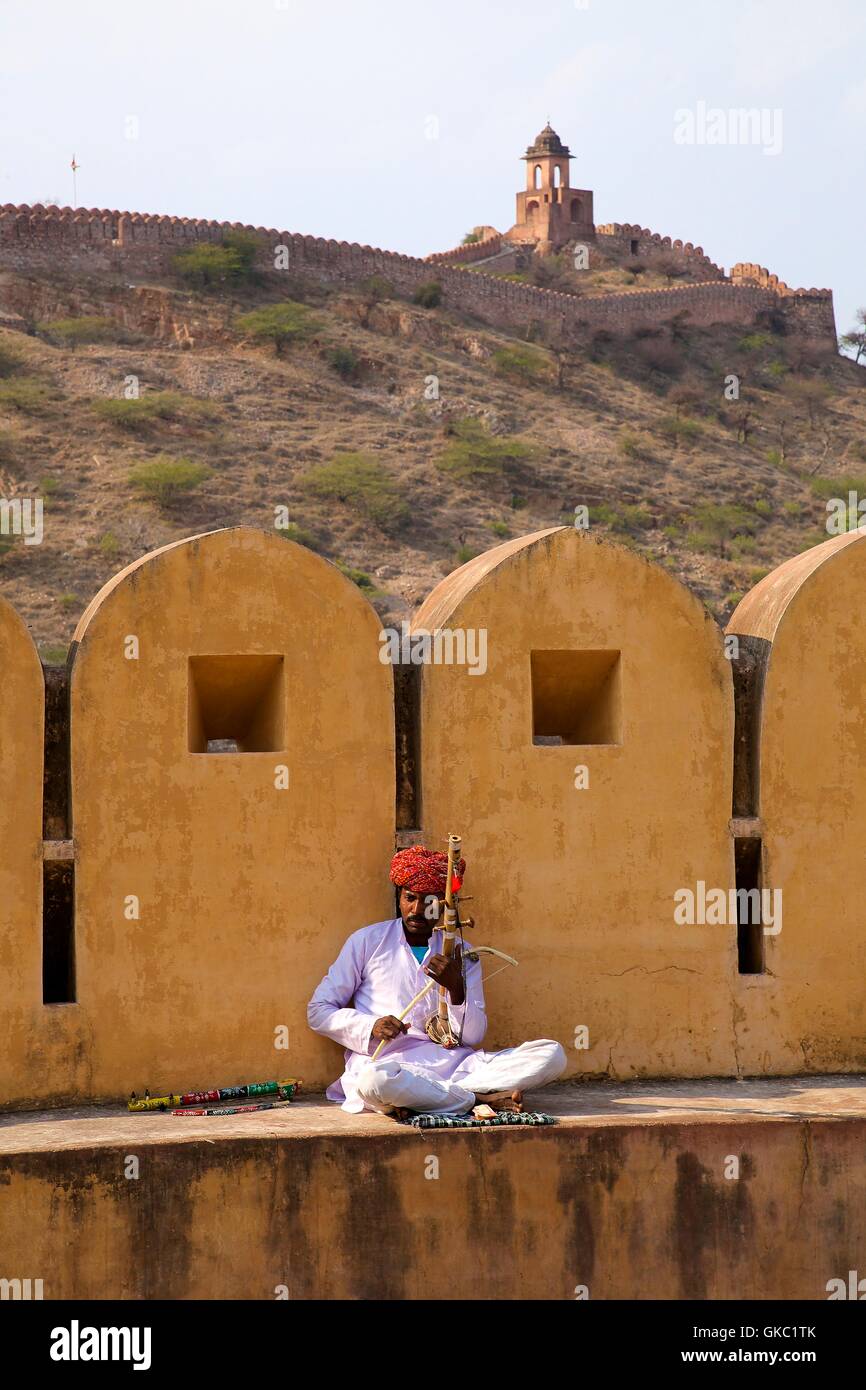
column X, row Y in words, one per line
column 376, row 288
column 500, row 528
column 755, row 576
column 522, row 363
column 25, row 394
column 300, row 536
column 136, row 414
column 279, row 324
column 792, row 509
column 838, row 487
column 7, row 446
column 754, row 342
column 680, row 427
column 53, row 656
column 715, row 524
column 463, row 554
column 344, row 362
column 475, row 454
column 168, row 477
column 635, row 446
column 108, row 545
column 471, row 237
column 9, row 361
column 733, row 598
column 428, row 295
column 361, row 578
column 774, row 456
column 763, row 507
column 362, row 481
column 211, row 264
column 626, row 520
column 68, row 601
column 89, row 328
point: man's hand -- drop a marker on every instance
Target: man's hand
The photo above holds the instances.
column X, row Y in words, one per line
column 448, row 971
column 387, row 1028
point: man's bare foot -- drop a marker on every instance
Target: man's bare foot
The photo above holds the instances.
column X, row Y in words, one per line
column 501, row 1100
column 397, row 1112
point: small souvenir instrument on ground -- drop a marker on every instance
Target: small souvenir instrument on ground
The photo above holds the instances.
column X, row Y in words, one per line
column 274, row 1095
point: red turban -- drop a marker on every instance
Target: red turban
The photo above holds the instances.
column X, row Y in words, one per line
column 423, row 870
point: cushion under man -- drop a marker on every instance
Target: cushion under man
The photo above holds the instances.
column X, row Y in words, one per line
column 378, row 971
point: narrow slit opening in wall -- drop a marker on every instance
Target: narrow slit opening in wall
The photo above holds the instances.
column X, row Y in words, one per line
column 407, row 741
column 750, row 930
column 576, row 697
column 235, row 704
column 58, row 932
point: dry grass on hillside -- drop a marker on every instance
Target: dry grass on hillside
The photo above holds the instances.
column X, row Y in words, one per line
column 392, row 485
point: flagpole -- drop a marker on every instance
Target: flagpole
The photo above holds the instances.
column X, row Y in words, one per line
column 74, row 184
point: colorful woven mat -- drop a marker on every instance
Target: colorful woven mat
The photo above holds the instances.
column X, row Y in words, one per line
column 504, row 1117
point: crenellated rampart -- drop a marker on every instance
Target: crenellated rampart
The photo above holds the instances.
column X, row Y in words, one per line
column 40, row 239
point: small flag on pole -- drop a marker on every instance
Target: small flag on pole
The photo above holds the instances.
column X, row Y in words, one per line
column 73, row 166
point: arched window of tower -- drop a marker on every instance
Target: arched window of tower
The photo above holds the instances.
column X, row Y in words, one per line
column 537, row 176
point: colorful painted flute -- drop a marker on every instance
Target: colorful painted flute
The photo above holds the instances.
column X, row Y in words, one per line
column 287, row 1088
column 235, row 1109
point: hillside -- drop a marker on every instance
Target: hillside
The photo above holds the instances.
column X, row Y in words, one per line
column 392, row 484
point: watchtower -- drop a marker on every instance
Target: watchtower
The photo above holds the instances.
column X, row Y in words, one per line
column 550, row 212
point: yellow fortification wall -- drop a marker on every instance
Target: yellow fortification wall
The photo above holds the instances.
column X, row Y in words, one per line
column 213, row 890
column 579, row 846
column 806, row 1010
column 210, row 890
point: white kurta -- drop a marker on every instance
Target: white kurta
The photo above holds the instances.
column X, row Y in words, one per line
column 377, row 974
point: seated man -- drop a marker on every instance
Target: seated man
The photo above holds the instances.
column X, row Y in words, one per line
column 378, row 972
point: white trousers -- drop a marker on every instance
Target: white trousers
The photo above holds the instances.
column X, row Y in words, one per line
column 532, row 1064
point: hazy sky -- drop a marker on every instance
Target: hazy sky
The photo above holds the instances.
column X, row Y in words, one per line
column 402, row 124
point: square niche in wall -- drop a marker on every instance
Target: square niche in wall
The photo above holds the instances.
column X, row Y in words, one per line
column 235, row 704
column 576, row 697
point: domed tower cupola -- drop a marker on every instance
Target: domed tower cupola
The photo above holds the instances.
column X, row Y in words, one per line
column 544, row 157
column 549, row 211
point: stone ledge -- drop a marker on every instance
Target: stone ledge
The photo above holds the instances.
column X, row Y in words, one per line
column 631, row 1196
column 575, row 1104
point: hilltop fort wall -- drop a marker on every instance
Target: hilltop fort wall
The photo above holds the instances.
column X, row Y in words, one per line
column 641, row 242
column 42, row 240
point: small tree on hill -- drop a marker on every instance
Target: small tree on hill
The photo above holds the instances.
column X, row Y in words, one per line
column 670, row 268
column 166, row 478
column 717, row 523
column 360, row 480
column 211, row 264
column 856, row 337
column 88, row 328
column 429, row 295
column 813, row 395
column 280, row 324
